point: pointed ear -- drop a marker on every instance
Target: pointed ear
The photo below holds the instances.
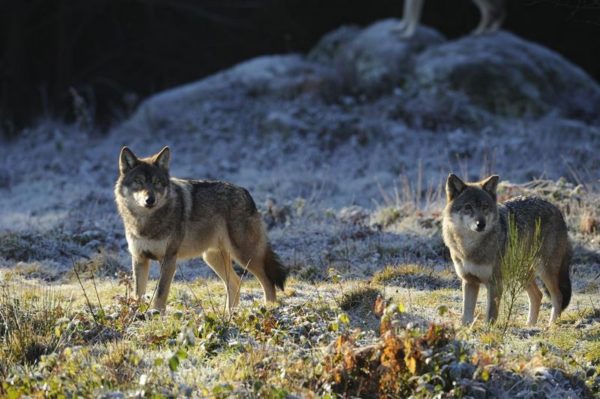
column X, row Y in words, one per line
column 162, row 158
column 454, row 186
column 127, row 160
column 490, row 185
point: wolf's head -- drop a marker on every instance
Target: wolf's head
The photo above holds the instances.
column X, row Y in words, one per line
column 143, row 182
column 472, row 205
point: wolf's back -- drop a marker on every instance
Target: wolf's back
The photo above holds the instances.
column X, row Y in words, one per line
column 555, row 250
column 527, row 211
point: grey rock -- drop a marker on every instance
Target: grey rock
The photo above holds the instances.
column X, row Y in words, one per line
column 507, row 75
column 378, row 58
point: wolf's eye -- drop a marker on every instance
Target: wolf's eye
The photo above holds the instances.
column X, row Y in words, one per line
column 468, row 208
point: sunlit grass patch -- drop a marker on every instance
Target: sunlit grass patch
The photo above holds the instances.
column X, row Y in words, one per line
column 415, row 276
column 114, row 345
column 29, row 326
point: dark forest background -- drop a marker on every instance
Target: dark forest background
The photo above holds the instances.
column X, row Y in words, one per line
column 110, row 54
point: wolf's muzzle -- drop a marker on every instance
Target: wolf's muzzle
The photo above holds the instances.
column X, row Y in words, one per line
column 480, row 225
column 150, row 201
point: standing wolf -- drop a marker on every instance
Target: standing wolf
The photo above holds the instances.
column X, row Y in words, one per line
column 492, row 16
column 168, row 219
column 475, row 230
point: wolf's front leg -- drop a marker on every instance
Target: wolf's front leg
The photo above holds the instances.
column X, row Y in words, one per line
column 167, row 270
column 141, row 268
column 494, row 294
column 470, row 292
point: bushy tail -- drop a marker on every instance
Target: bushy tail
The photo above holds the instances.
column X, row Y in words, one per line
column 274, row 269
column 564, row 279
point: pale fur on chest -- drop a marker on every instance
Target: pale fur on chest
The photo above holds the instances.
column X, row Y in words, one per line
column 191, row 246
column 462, row 243
column 141, row 245
column 468, row 270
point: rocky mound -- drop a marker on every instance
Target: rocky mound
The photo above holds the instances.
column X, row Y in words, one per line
column 508, row 76
column 494, row 75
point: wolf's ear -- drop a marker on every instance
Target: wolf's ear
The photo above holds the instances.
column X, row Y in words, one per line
column 454, row 186
column 490, row 185
column 162, row 158
column 127, row 160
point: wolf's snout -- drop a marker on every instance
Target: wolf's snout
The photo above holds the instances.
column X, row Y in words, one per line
column 480, row 225
column 150, row 200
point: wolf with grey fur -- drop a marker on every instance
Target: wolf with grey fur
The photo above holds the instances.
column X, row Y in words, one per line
column 167, row 219
column 475, row 230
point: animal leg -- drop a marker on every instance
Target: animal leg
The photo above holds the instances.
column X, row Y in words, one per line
column 486, row 16
column 257, row 268
column 535, row 300
column 141, row 269
column 167, row 270
column 410, row 17
column 220, row 261
column 494, row 294
column 555, row 295
column 470, row 292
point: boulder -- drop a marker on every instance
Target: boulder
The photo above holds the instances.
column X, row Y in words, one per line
column 330, row 45
column 508, row 76
column 378, row 58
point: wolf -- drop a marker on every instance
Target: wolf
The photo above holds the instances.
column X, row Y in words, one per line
column 492, row 15
column 167, row 219
column 475, row 229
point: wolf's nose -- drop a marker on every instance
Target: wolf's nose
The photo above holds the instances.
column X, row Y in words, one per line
column 150, row 200
column 480, row 224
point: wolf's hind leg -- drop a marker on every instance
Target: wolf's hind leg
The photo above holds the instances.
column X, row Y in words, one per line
column 535, row 300
column 257, row 268
column 492, row 15
column 551, row 283
column 251, row 250
column 141, row 269
column 267, row 286
column 485, row 18
column 220, row 261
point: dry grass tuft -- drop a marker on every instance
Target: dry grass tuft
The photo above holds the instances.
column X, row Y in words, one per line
column 362, row 296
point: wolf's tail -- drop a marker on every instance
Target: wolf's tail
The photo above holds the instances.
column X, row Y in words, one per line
column 276, row 272
column 564, row 278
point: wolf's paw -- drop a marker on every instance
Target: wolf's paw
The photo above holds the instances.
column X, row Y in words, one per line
column 153, row 314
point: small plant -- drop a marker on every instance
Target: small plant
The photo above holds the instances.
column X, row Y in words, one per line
column 28, row 329
column 361, row 296
column 517, row 266
column 401, row 363
column 589, row 224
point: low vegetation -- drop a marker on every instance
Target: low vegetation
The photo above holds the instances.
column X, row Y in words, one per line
column 389, row 333
column 57, row 341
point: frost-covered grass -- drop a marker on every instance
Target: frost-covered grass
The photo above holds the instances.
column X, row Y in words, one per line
column 341, row 328
column 54, row 341
column 372, row 307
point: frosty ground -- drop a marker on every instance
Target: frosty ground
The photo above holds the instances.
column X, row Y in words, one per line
column 345, row 151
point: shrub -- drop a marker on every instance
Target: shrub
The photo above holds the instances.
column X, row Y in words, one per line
column 517, row 266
